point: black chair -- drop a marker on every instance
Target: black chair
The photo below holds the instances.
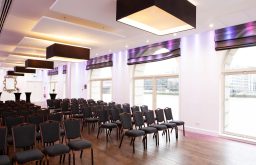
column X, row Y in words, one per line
column 105, row 124
column 36, row 120
column 139, row 122
column 4, row 159
column 76, row 112
column 126, row 108
column 11, row 122
column 160, row 120
column 169, row 118
column 24, row 137
column 144, row 109
column 135, row 109
column 74, row 138
column 90, row 119
column 50, row 132
column 115, row 118
column 65, row 108
column 150, row 118
column 133, row 133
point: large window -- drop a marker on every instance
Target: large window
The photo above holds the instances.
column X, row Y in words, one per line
column 101, row 84
column 240, row 93
column 156, row 84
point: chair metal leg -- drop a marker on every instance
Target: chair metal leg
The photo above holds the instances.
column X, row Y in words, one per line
column 69, row 158
column 98, row 132
column 133, row 146
column 121, row 141
column 63, row 158
column 183, row 129
column 60, row 158
column 81, row 154
column 74, row 159
column 169, row 135
column 92, row 155
column 176, row 132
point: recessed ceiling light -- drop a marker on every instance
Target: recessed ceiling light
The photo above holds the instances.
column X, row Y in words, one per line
column 211, row 25
column 147, row 41
column 126, row 46
column 174, row 34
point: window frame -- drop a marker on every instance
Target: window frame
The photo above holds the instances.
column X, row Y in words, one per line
column 154, row 79
column 101, row 80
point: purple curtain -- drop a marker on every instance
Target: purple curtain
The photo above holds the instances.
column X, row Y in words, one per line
column 238, row 36
column 135, row 56
column 100, row 62
column 53, row 72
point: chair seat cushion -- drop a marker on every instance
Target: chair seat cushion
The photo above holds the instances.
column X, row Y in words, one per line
column 91, row 119
column 134, row 133
column 118, row 122
column 57, row 149
column 109, row 125
column 4, row 160
column 29, row 155
column 77, row 115
column 79, row 144
column 169, row 125
column 149, row 129
column 159, row 127
column 178, row 122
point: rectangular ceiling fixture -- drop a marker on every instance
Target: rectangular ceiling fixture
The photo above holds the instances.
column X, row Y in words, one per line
column 20, row 69
column 36, row 64
column 61, row 52
column 12, row 73
column 157, row 16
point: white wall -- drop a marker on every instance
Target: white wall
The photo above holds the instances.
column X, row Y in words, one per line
column 200, row 80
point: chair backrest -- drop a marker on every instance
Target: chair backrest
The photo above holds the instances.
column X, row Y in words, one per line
column 144, row 109
column 55, row 117
column 35, row 119
column 50, row 103
column 138, row 119
column 72, row 128
column 150, row 117
column 45, row 113
column 65, row 105
column 3, row 137
column 57, row 103
column 24, row 135
column 13, row 121
column 159, row 115
column 126, row 120
column 126, row 108
column 103, row 116
column 114, row 114
column 135, row 108
column 87, row 112
column 168, row 113
column 75, row 108
column 50, row 131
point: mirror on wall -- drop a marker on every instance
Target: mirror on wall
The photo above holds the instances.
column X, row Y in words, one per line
column 10, row 84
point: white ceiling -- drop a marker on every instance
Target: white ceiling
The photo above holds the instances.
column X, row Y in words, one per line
column 32, row 25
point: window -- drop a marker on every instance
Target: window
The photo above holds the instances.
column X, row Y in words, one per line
column 101, row 84
column 156, row 84
column 240, row 93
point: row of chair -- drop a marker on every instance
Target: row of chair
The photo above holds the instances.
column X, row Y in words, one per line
column 24, row 137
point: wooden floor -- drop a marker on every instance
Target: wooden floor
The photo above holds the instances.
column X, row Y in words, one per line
column 194, row 149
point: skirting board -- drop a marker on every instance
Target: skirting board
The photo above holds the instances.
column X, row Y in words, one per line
column 200, row 131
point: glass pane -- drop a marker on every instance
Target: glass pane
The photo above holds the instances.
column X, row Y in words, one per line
column 164, row 67
column 240, row 103
column 95, row 90
column 101, row 73
column 168, row 94
column 241, row 58
column 106, row 91
column 143, row 92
